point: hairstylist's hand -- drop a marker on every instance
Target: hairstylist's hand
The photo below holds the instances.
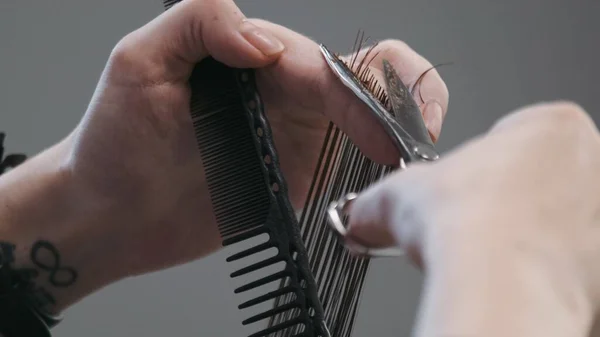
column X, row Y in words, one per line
column 136, row 149
column 131, row 177
column 506, row 228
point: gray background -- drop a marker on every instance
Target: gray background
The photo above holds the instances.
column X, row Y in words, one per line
column 506, row 54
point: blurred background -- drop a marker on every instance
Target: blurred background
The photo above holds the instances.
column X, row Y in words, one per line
column 506, row 54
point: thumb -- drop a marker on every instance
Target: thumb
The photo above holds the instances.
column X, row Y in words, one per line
column 392, row 212
column 169, row 46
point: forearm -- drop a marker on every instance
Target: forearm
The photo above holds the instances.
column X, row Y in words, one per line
column 44, row 227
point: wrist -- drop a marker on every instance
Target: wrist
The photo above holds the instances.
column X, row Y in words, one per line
column 45, row 224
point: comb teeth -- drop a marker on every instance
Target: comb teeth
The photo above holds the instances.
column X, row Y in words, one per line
column 250, row 251
column 262, row 281
column 258, row 265
column 244, row 201
column 296, row 322
column 272, row 312
column 231, row 165
column 267, row 297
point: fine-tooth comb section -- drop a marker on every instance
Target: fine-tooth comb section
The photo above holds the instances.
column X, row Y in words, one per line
column 222, row 136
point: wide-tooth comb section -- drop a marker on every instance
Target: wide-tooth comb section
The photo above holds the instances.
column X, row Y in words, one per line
column 279, row 327
column 271, row 312
column 267, row 297
column 262, row 281
column 258, row 265
column 250, row 251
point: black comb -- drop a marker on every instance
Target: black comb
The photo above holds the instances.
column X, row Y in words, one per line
column 249, row 195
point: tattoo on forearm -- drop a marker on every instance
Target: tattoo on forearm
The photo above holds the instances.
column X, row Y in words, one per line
column 46, row 258
column 58, row 276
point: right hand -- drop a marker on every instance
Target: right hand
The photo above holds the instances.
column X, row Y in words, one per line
column 506, row 228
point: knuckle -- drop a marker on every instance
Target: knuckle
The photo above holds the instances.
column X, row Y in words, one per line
column 568, row 120
column 124, row 53
column 570, row 113
column 130, row 62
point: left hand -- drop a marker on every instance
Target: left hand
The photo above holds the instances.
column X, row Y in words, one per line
column 135, row 148
column 125, row 193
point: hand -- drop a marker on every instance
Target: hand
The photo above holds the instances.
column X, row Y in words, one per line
column 129, row 178
column 135, row 147
column 505, row 227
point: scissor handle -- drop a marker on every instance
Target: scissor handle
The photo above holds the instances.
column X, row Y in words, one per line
column 336, row 211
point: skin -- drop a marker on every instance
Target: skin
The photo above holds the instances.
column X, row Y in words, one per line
column 125, row 194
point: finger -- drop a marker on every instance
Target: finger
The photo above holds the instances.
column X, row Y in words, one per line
column 480, row 279
column 380, row 212
column 431, row 92
column 302, row 74
column 387, row 213
column 169, row 46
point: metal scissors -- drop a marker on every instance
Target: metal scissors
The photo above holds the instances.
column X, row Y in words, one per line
column 405, row 126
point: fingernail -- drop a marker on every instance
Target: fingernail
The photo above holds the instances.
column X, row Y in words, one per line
column 261, row 39
column 432, row 114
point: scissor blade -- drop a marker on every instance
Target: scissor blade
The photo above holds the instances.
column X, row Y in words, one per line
column 405, row 109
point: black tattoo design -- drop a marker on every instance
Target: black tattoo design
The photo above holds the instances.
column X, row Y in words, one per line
column 59, row 276
column 47, row 259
